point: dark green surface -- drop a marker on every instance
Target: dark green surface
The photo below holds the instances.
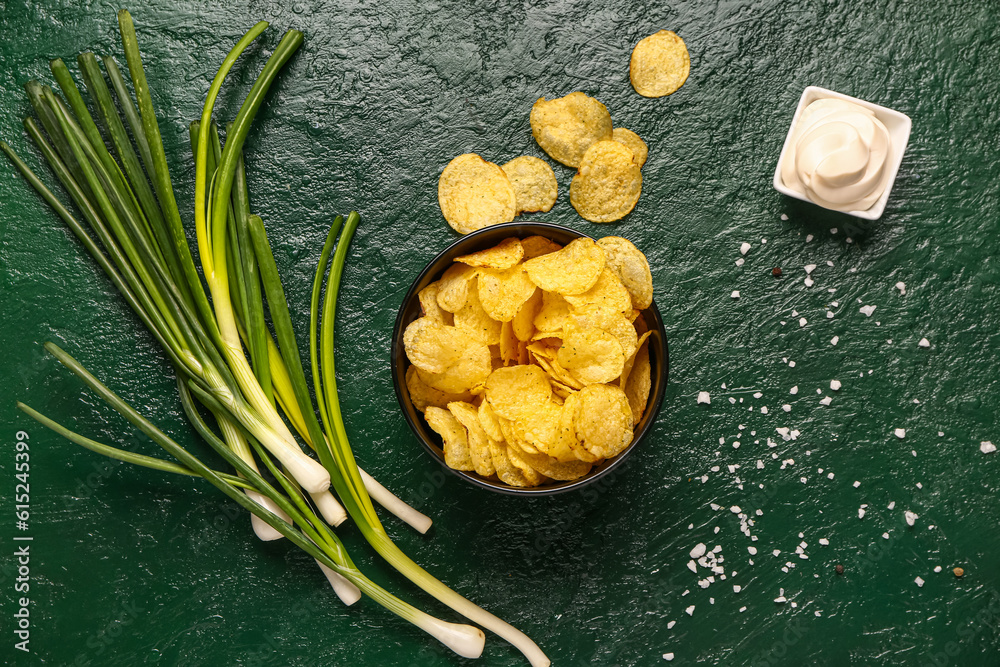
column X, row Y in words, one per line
column 129, row 567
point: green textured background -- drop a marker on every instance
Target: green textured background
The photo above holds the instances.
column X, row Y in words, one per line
column 131, row 567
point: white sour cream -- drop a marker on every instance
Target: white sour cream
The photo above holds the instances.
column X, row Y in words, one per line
column 837, row 155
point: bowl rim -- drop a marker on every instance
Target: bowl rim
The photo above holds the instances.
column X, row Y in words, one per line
column 398, row 372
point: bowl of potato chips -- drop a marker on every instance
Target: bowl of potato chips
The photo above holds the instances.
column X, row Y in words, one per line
column 529, row 358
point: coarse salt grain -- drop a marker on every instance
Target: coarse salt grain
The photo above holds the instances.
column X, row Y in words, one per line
column 835, row 385
column 911, row 518
column 810, row 268
column 868, row 310
column 744, row 248
column 668, row 656
column 900, row 433
column 794, row 390
column 698, row 551
column 809, row 238
column 786, row 407
column 671, row 624
column 834, row 340
column 919, row 582
column 803, row 321
column 901, row 286
column 808, row 282
column 824, row 541
column 924, row 343
column 829, row 314
column 739, row 262
column 861, row 513
column 735, row 294
column 892, row 505
column 689, row 611
column 826, row 401
column 857, row 484
column 784, row 217
column 704, row 397
column 987, row 447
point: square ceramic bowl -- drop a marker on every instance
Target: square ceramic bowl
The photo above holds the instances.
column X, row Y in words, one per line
column 410, row 310
column 898, row 125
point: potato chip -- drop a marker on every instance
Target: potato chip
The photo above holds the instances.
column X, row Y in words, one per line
column 552, row 467
column 640, row 151
column 474, row 194
column 607, row 295
column 603, row 420
column 475, row 321
column 503, row 292
column 532, row 476
column 638, row 384
column 568, row 446
column 422, row 395
column 479, row 444
column 523, row 323
column 453, row 435
column 631, row 267
column 432, row 346
column 572, row 270
column 489, row 421
column 536, row 246
column 553, row 314
column 608, row 184
column 470, row 371
column 566, row 127
column 453, row 287
column 508, row 344
column 535, row 187
column 508, row 473
column 514, row 391
column 630, row 359
column 429, row 306
column 504, row 255
column 591, row 355
column 622, row 329
column 660, row 64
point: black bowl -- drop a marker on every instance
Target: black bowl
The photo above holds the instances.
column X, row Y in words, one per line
column 410, row 310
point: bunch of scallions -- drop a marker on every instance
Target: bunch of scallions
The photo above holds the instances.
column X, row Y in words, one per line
column 226, row 360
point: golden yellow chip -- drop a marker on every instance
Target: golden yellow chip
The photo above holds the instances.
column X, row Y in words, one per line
column 535, row 187
column 566, row 127
column 552, row 467
column 469, row 372
column 536, row 246
column 608, row 184
column 479, row 445
column 504, row 255
column 524, row 321
column 638, row 384
column 634, row 142
column 508, row 473
column 607, row 295
column 631, row 267
column 423, row 395
column 508, row 344
column 630, row 359
column 572, row 270
column 432, row 346
column 514, row 391
column 603, row 420
column 532, row 476
column 503, row 292
column 660, row 64
column 475, row 321
column 474, row 194
column 453, row 288
column 568, row 445
column 453, row 435
column 591, row 356
column 489, row 421
column 552, row 315
column 429, row 306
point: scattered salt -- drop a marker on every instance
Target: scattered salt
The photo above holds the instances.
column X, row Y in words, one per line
column 924, row 343
column 803, row 321
column 919, row 582
column 835, row 385
column 668, row 656
column 784, row 217
column 834, row 340
column 826, row 401
column 810, row 268
column 735, row 294
column 911, row 518
column 671, row 624
column 824, row 541
column 699, row 550
column 987, row 447
column 704, row 397
column 689, row 611
column 809, row 238
column 901, row 286
column 744, row 248
column 857, row 484
column 868, row 310
column 808, row 282
column 786, row 407
column 900, row 433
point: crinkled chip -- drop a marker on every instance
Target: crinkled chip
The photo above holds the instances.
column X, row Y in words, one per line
column 572, row 270
column 607, row 294
column 503, row 292
column 489, row 421
column 453, row 435
column 566, row 127
column 552, row 467
column 608, row 184
column 473, row 319
column 660, row 64
column 635, row 143
column 524, row 321
column 432, row 346
column 603, row 420
column 504, row 255
column 630, row 265
column 630, row 359
column 508, row 473
column 568, row 445
column 515, row 390
column 535, row 187
column 479, row 444
column 468, row 372
column 508, row 344
column 591, row 355
column 453, row 287
column 423, row 395
column 533, row 477
column 638, row 384
column 553, row 313
column 536, row 246
column 474, row 194
column 429, row 306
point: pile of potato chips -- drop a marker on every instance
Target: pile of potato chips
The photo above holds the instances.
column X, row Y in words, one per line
column 530, row 359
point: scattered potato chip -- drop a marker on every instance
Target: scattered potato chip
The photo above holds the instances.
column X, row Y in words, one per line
column 514, row 391
column 536, row 246
column 473, row 319
column 566, row 127
column 640, row 151
column 631, row 267
column 502, row 256
column 638, row 384
column 604, row 420
column 479, row 444
column 660, row 64
column 474, row 194
column 608, row 184
column 423, row 395
column 591, row 355
column 535, row 187
column 453, row 288
column 503, row 292
column 454, row 437
column 572, row 270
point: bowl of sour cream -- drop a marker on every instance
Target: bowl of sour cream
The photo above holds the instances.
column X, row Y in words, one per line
column 842, row 153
